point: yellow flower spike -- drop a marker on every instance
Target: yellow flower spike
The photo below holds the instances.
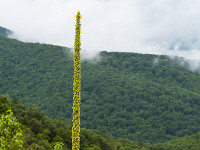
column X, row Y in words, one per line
column 77, row 86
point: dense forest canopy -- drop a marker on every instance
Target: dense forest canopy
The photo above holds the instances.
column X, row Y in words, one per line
column 146, row 98
column 42, row 133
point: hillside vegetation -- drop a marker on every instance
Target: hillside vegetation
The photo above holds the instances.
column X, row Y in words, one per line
column 144, row 98
column 42, row 133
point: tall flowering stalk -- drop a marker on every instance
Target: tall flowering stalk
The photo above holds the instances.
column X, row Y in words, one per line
column 77, row 86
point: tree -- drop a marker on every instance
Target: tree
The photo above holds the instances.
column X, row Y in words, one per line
column 10, row 132
column 3, row 104
column 77, row 86
column 58, row 146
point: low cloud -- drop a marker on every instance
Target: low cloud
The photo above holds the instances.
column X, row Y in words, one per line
column 154, row 26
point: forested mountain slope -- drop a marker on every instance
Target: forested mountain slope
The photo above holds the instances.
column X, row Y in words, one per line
column 5, row 32
column 191, row 142
column 42, row 133
column 145, row 98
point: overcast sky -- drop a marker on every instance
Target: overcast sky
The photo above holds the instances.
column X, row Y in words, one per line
column 145, row 26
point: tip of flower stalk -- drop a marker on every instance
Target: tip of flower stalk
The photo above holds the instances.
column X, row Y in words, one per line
column 78, row 14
